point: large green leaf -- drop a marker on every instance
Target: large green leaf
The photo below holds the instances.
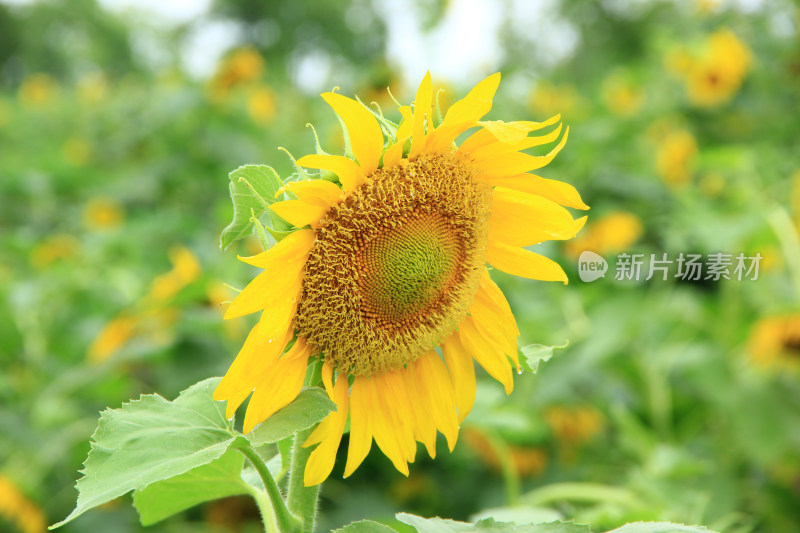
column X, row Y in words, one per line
column 218, row 479
column 152, row 439
column 309, row 408
column 252, row 190
column 364, row 526
column 659, row 527
column 489, row 525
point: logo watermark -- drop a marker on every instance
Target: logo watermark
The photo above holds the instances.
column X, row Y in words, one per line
column 686, row 266
column 591, row 266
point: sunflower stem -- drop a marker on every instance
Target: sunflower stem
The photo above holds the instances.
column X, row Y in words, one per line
column 287, row 523
column 302, row 500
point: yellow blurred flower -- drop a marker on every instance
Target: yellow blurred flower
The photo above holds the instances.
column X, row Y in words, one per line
column 76, row 151
column 546, row 97
column 620, row 95
column 261, row 104
column 92, row 88
column 153, row 315
column 241, row 67
column 775, row 342
column 111, row 338
column 713, row 78
column 54, row 248
column 37, row 90
column 712, row 184
column 17, row 509
column 675, row 158
column 185, row 269
column 102, row 213
column 708, row 6
column 614, row 232
column 573, row 427
column 771, row 258
column 525, row 460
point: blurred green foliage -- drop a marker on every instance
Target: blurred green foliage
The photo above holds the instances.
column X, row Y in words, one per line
column 673, row 401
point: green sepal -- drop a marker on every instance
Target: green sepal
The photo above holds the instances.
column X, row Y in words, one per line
column 309, row 408
column 252, row 189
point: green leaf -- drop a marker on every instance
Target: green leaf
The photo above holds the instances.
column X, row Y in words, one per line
column 309, row 408
column 364, row 526
column 519, row 514
column 218, row 479
column 252, row 190
column 659, row 527
column 535, row 354
column 152, row 439
column 489, row 525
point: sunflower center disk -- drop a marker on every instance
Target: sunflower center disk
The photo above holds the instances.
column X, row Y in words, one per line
column 395, row 265
column 403, row 270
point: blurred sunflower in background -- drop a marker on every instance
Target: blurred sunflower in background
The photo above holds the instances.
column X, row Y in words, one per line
column 775, row 342
column 713, row 77
column 390, row 263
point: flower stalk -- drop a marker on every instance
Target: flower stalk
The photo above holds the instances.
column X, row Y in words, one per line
column 287, row 523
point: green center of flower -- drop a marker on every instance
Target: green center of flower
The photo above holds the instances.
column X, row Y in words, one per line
column 403, row 270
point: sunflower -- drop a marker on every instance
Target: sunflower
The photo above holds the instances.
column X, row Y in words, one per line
column 713, row 79
column 388, row 262
column 774, row 342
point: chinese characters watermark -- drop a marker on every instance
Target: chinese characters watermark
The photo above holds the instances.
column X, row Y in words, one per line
column 686, row 266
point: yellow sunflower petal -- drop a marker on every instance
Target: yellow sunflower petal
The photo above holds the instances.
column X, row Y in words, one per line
column 251, row 364
column 424, row 428
column 506, row 132
column 464, row 114
column 366, row 138
column 279, row 387
column 391, row 431
column 435, row 384
column 360, row 424
column 557, row 191
column 320, row 462
column 350, row 174
column 404, row 130
column 462, row 374
column 327, row 378
column 318, row 192
column 509, row 164
column 491, row 293
column 521, row 219
column 294, row 246
column 500, row 148
column 492, row 360
column 299, row 213
column 266, row 288
column 395, row 152
column 495, row 324
column 524, row 263
column 280, row 282
column 422, row 108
